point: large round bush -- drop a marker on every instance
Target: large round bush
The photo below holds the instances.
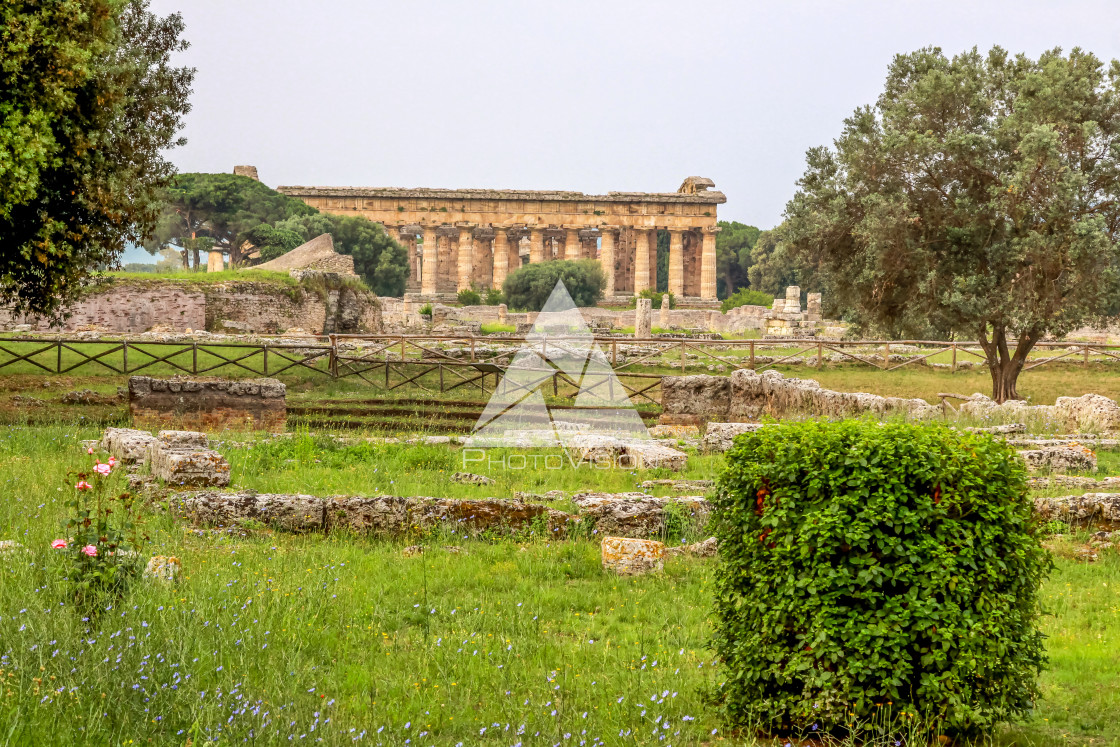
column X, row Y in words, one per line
column 869, row 569
column 528, row 288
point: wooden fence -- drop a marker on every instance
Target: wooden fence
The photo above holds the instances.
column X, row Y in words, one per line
column 447, row 363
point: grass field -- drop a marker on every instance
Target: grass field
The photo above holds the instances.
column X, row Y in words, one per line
column 278, row 638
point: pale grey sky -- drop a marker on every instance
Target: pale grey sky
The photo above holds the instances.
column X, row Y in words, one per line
column 593, row 96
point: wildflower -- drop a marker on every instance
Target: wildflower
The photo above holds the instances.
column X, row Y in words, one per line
column 102, row 469
column 89, row 450
column 58, row 544
column 82, row 485
column 90, row 550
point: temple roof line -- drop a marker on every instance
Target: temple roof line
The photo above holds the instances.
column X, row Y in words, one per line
column 702, row 196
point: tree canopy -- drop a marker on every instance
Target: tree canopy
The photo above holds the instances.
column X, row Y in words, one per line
column 979, row 197
column 528, row 288
column 89, row 103
column 222, row 208
column 733, row 256
column 378, row 258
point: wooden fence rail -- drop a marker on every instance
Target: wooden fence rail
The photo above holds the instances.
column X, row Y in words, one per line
column 451, row 362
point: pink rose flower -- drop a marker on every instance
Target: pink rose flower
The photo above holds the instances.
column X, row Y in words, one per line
column 83, row 485
column 89, row 450
column 112, row 461
column 102, row 469
column 58, row 544
column 90, row 550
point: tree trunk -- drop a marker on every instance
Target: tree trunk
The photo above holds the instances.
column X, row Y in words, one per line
column 186, row 258
column 1003, row 365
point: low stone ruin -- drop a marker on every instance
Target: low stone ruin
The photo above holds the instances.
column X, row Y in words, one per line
column 207, row 404
column 383, row 514
column 1089, row 412
column 638, row 514
column 1099, row 510
column 179, row 458
column 1060, row 459
column 747, row 395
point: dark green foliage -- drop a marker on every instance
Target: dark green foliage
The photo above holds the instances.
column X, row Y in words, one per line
column 978, row 198
column 493, row 297
column 223, row 208
column 272, row 242
column 469, row 297
column 733, row 256
column 89, row 103
column 655, row 297
column 775, row 266
column 868, row 566
column 746, row 297
column 381, row 261
column 528, row 288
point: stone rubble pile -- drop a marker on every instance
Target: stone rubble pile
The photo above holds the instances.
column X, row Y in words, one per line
column 628, row 454
column 179, row 458
column 628, row 557
column 719, row 437
column 1089, row 412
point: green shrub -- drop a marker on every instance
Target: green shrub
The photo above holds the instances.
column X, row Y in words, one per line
column 870, row 568
column 528, row 288
column 493, row 297
column 655, row 296
column 426, row 310
column 746, row 297
column 469, row 297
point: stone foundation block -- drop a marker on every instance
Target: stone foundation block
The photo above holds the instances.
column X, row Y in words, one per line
column 190, row 467
column 1060, row 459
column 128, row 445
column 207, row 404
column 719, row 437
column 628, row 557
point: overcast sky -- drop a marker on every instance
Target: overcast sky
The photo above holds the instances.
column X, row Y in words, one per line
column 588, row 96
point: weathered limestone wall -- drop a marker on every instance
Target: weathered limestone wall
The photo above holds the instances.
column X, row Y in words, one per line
column 207, row 404
column 130, row 307
column 746, row 396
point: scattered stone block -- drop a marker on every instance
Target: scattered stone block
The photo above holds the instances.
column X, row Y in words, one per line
column 468, row 478
column 1000, row 429
column 1089, row 412
column 637, row 514
column 128, row 445
column 677, row 485
column 190, row 467
column 182, row 440
column 705, row 549
column 1060, row 459
column 208, row 404
column 412, row 551
column 627, row 557
column 1100, row 510
column 719, row 437
column 628, row 454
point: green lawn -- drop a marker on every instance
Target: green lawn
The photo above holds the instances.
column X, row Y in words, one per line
column 276, row 637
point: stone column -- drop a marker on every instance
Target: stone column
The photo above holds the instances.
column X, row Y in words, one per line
column 466, row 256
column 606, row 258
column 429, row 267
column 215, row 262
column 501, row 257
column 641, row 261
column 643, row 319
column 536, row 245
column 676, row 264
column 708, row 265
column 663, row 314
column 571, row 243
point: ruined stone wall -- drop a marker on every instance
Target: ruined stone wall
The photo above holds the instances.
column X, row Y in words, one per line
column 207, row 404
column 135, row 306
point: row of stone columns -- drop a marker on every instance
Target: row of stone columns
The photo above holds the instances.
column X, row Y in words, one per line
column 636, row 259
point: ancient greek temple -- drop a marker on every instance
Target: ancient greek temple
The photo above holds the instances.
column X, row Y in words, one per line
column 459, row 238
